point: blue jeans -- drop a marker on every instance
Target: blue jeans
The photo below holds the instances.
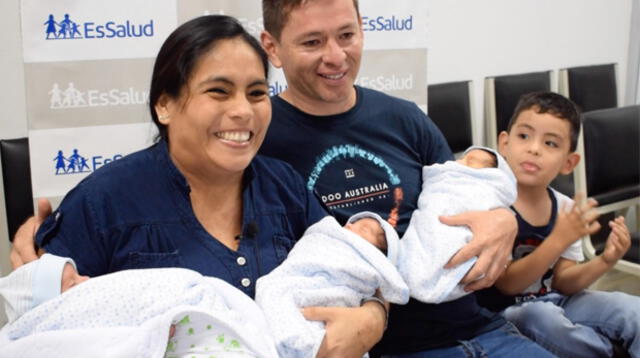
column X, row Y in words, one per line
column 580, row 325
column 504, row 341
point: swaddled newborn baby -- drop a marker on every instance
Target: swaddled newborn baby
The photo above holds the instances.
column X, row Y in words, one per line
column 211, row 317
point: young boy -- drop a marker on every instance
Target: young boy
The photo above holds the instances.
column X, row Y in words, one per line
column 545, row 284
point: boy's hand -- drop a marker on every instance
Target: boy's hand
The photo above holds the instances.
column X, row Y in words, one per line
column 618, row 242
column 576, row 221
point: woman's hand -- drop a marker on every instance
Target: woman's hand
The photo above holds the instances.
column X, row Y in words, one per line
column 493, row 235
column 24, row 250
column 350, row 331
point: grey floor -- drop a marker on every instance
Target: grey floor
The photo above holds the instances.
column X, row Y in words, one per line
column 618, row 281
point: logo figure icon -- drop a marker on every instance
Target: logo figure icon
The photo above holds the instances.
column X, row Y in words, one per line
column 64, row 30
column 71, row 97
column 75, row 163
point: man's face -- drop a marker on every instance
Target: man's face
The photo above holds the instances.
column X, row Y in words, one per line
column 320, row 49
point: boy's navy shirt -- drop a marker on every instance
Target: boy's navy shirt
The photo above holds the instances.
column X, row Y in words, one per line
column 373, row 161
column 529, row 237
column 136, row 213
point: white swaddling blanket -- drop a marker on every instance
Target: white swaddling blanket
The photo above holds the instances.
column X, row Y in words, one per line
column 328, row 266
column 128, row 314
column 427, row 245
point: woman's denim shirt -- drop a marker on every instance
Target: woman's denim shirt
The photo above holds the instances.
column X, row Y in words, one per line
column 136, row 213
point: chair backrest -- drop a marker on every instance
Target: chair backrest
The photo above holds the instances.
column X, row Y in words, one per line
column 611, row 153
column 610, row 171
column 501, row 96
column 590, row 87
column 16, row 175
column 449, row 106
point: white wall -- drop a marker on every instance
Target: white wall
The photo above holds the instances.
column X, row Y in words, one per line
column 471, row 40
column 468, row 39
column 13, row 122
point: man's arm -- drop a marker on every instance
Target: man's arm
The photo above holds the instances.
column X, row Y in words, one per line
column 493, row 235
column 570, row 277
column 24, row 250
column 350, row 331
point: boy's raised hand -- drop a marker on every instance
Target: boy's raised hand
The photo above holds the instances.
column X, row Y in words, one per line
column 618, row 242
column 576, row 221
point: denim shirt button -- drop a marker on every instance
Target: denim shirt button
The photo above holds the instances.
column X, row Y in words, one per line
column 245, row 282
column 241, row 261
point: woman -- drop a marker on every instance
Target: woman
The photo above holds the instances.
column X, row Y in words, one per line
column 199, row 198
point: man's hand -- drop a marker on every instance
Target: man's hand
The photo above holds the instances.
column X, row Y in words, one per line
column 23, row 250
column 618, row 242
column 350, row 332
column 493, row 235
column 576, row 221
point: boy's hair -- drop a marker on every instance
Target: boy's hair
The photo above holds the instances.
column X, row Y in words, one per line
column 275, row 14
column 554, row 104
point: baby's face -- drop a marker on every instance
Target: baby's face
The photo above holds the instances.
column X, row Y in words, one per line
column 478, row 159
column 370, row 230
column 70, row 277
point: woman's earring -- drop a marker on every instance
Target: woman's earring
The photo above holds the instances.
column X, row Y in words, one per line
column 164, row 118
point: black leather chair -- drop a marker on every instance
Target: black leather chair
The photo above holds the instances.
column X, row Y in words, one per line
column 501, row 96
column 16, row 175
column 590, row 87
column 449, row 106
column 610, row 170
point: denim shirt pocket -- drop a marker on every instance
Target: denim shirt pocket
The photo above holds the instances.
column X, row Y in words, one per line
column 282, row 245
column 138, row 260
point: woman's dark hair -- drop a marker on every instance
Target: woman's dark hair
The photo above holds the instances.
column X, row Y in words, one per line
column 183, row 48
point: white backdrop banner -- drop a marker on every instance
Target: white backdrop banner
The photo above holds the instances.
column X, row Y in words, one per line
column 88, row 66
column 95, row 29
column 63, row 157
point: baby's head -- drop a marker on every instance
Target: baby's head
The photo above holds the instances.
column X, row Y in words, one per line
column 377, row 231
column 37, row 282
column 369, row 229
column 479, row 158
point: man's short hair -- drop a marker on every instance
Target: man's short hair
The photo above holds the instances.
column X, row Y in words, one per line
column 555, row 104
column 275, row 14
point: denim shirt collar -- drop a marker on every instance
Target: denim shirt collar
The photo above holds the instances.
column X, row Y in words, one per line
column 164, row 157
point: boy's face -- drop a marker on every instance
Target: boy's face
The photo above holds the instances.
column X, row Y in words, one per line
column 319, row 49
column 70, row 277
column 537, row 148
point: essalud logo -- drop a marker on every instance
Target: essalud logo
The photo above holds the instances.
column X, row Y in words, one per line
column 72, row 97
column 67, row 29
column 76, row 163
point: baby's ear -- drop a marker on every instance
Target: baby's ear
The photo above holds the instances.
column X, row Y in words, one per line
column 570, row 163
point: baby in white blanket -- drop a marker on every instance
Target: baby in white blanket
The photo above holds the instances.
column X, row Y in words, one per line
column 45, row 299
column 330, row 265
column 480, row 180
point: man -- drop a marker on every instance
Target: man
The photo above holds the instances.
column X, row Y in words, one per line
column 362, row 150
